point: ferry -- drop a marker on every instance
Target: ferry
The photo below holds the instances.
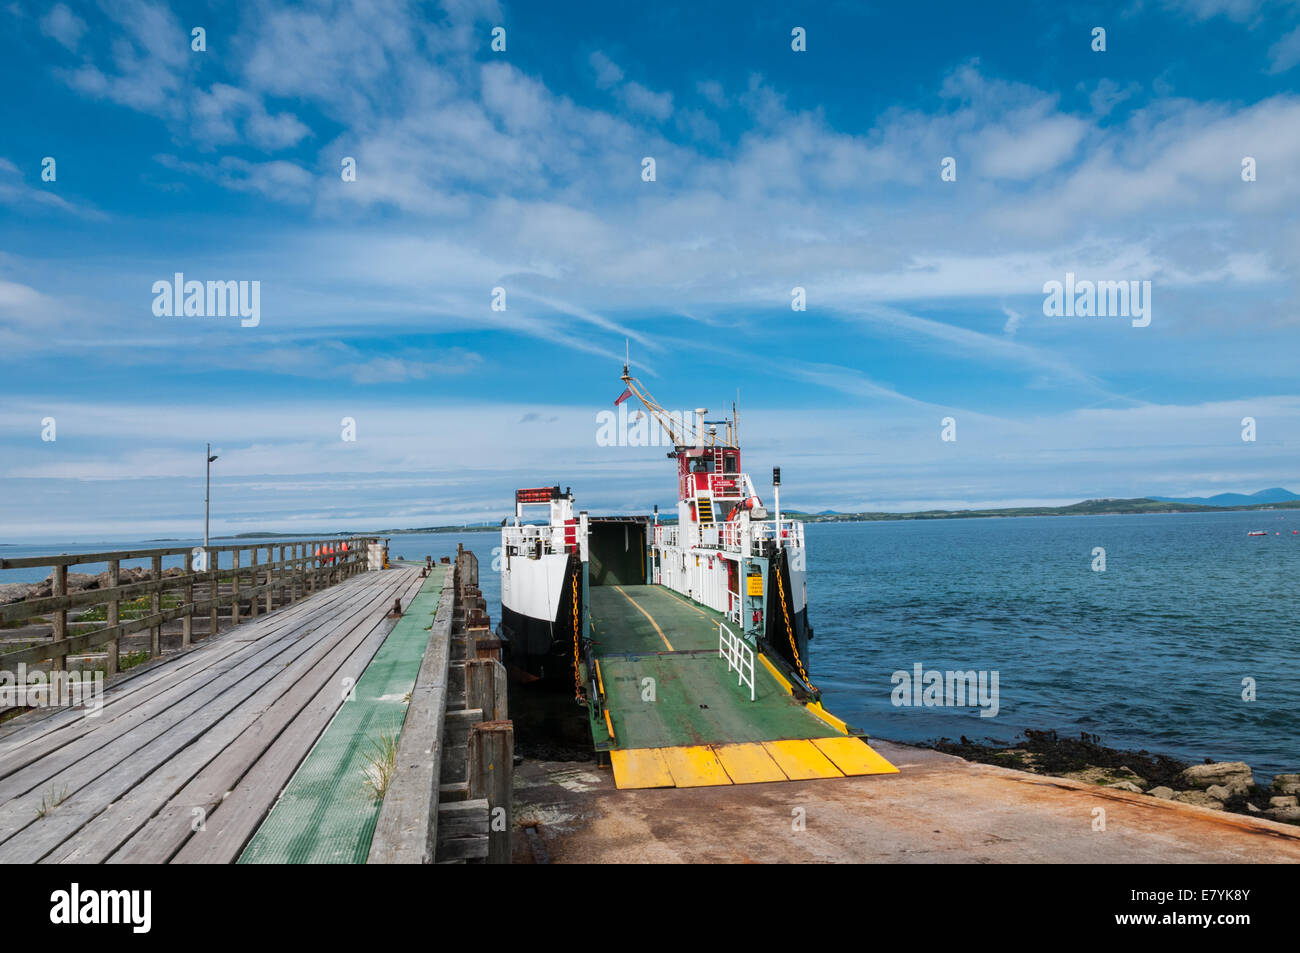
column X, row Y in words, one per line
column 687, row 641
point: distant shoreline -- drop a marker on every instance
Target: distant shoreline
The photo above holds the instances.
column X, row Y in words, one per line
column 1103, row 507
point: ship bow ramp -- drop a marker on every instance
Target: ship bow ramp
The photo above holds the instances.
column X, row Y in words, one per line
column 671, row 712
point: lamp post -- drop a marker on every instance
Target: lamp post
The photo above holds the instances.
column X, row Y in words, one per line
column 207, row 497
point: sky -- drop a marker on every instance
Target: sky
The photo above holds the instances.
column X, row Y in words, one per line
column 523, row 169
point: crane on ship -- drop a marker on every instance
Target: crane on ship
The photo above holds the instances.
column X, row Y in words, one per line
column 684, row 433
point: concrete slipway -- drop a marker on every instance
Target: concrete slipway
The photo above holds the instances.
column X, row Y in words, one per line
column 937, row 809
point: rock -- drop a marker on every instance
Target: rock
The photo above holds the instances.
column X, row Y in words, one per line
column 1199, row 798
column 1111, row 777
column 1218, row 792
column 1287, row 784
column 1286, row 800
column 1283, row 813
column 1251, row 809
column 14, row 591
column 1127, row 786
column 1233, row 775
column 1162, row 792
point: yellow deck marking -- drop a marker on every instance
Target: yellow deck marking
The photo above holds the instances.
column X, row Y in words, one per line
column 648, row 616
column 687, row 604
column 836, row 723
column 600, row 682
column 781, row 679
column 854, row 756
column 640, row 768
column 801, row 761
column 814, row 707
column 748, row 763
column 610, row 725
column 695, row 767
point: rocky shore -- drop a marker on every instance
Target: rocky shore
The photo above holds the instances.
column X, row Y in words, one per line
column 1218, row 785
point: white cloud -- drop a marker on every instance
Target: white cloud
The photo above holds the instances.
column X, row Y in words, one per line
column 607, row 72
column 63, row 25
column 1285, row 53
column 640, row 99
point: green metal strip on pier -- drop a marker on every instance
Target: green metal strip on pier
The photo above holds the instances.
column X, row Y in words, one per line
column 327, row 813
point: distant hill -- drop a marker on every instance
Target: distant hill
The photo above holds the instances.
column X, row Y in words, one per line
column 1086, row 508
column 1274, row 495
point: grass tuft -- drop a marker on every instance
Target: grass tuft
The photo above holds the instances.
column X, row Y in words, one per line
column 382, row 763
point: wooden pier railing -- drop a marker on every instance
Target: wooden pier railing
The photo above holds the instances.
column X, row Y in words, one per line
column 244, row 586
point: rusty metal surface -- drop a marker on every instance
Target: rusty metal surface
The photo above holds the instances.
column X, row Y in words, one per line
column 938, row 809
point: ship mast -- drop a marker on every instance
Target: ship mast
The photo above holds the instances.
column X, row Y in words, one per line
column 679, row 430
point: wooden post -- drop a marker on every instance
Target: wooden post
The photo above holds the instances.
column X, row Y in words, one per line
column 252, row 582
column 234, row 602
column 187, row 623
column 114, row 611
column 58, row 655
column 155, row 602
column 485, row 687
column 214, row 560
column 491, row 775
column 311, row 576
column 270, row 582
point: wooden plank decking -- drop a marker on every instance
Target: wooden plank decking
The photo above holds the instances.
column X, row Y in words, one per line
column 186, row 758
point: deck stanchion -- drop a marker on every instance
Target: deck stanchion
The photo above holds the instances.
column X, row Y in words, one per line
column 155, row 603
column 234, row 586
column 187, row 623
column 59, row 651
column 252, row 582
column 214, row 559
column 114, row 608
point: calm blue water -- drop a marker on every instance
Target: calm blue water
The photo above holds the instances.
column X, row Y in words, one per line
column 1149, row 654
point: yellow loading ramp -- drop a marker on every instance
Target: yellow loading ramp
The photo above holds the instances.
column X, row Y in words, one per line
column 746, row 763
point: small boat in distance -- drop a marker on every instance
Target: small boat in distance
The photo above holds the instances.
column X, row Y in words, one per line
column 1257, row 532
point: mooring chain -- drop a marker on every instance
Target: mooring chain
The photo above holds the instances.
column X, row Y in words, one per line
column 790, row 630
column 577, row 635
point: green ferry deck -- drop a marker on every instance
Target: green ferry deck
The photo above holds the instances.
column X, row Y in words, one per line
column 670, row 712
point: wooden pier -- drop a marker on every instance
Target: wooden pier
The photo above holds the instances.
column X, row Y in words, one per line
column 190, row 754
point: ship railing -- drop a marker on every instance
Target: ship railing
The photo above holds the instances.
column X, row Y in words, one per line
column 739, row 656
column 733, row 606
column 527, row 539
column 759, row 537
column 667, row 535
column 735, row 537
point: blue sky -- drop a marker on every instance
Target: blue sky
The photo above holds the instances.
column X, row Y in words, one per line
column 522, row 169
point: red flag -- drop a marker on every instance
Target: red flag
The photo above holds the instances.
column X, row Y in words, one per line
column 623, row 396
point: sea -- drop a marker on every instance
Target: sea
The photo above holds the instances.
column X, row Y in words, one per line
column 1174, row 633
